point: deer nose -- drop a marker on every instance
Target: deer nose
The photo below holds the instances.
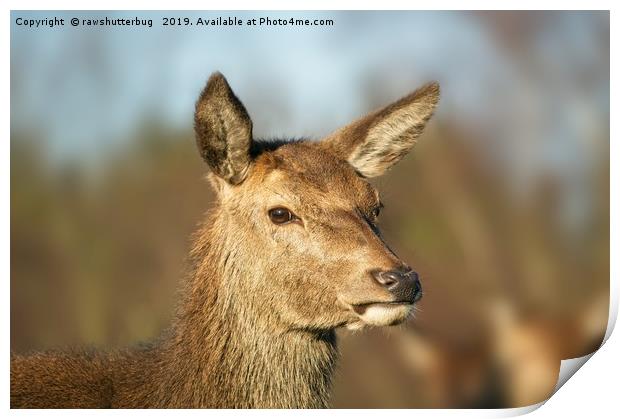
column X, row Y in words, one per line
column 403, row 283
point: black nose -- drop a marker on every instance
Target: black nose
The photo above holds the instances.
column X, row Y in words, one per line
column 403, row 283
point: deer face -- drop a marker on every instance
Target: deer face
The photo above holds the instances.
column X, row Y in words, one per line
column 302, row 216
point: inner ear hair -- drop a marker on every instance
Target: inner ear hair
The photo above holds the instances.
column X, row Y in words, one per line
column 377, row 141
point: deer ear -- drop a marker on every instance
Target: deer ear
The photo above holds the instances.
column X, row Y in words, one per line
column 377, row 141
column 223, row 130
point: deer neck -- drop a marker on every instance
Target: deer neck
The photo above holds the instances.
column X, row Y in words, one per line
column 234, row 354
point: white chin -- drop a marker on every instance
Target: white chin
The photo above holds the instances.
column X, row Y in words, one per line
column 383, row 314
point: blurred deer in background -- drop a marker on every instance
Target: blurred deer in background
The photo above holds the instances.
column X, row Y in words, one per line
column 290, row 252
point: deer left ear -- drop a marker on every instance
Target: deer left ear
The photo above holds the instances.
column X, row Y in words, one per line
column 376, row 142
column 223, row 130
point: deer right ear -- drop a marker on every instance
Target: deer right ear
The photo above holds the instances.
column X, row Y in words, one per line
column 223, row 130
column 376, row 142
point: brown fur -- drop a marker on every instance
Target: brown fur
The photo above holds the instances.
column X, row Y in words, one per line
column 256, row 319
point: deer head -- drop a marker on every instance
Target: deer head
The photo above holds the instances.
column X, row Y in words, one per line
column 296, row 221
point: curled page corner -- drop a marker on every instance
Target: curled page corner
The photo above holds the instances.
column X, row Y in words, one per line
column 568, row 368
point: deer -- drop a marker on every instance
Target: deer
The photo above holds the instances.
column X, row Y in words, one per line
column 289, row 253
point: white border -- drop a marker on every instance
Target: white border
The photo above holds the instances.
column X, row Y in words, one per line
column 594, row 389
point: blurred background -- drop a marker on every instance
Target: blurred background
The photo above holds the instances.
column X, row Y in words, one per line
column 503, row 206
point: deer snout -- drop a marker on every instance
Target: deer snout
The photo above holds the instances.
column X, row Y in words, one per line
column 403, row 283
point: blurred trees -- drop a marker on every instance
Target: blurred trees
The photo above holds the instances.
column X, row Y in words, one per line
column 96, row 253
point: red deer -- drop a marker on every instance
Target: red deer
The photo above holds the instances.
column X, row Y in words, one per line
column 289, row 253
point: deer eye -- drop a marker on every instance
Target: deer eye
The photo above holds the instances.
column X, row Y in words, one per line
column 377, row 211
column 281, row 215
